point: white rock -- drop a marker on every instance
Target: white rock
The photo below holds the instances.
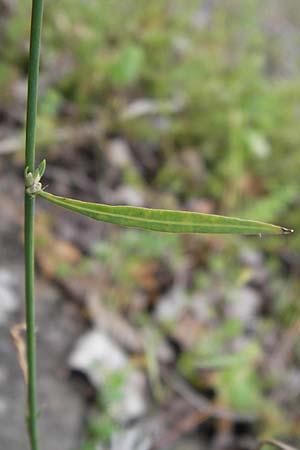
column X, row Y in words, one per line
column 129, row 196
column 131, row 439
column 118, row 153
column 252, row 258
column 172, row 305
column 243, row 304
column 8, row 297
column 98, row 357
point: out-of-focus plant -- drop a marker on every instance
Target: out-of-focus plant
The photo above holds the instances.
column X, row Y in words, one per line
column 127, row 67
column 200, row 76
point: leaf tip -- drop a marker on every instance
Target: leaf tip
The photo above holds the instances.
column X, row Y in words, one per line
column 286, row 230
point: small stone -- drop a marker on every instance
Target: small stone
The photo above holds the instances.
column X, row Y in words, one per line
column 118, row 153
column 133, row 438
column 8, row 296
column 99, row 357
column 243, row 304
column 172, row 305
column 252, row 258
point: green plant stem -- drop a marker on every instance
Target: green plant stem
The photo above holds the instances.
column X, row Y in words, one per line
column 33, row 76
column 30, row 321
column 275, row 443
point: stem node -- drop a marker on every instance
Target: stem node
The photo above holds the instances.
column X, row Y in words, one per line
column 32, row 186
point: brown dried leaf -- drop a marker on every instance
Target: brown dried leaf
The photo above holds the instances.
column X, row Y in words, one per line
column 19, row 343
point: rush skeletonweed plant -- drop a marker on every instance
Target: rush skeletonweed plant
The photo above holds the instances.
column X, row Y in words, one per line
column 128, row 216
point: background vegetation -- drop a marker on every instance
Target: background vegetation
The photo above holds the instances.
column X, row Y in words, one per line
column 175, row 104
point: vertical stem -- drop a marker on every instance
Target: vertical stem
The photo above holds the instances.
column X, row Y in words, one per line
column 30, row 321
column 33, row 75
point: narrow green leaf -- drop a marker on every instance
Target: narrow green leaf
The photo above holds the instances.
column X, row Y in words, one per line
column 41, row 169
column 165, row 220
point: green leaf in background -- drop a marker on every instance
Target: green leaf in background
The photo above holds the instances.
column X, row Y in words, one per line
column 128, row 66
column 165, row 220
column 275, row 443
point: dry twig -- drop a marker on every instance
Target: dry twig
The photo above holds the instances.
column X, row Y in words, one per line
column 19, row 343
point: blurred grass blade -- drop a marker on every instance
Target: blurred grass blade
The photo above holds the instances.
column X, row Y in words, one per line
column 275, row 443
column 165, row 220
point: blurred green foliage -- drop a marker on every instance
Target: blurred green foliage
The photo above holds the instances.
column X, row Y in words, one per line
column 227, row 132
column 125, row 254
column 206, row 77
column 102, row 426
